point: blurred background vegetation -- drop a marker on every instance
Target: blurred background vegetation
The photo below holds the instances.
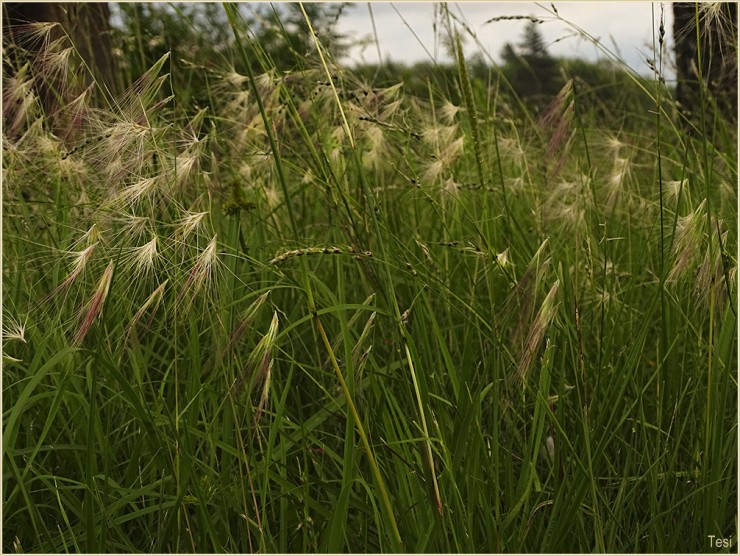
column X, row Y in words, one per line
column 123, row 40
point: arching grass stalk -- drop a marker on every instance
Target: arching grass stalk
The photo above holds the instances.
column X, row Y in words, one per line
column 329, row 76
column 361, row 431
column 231, row 13
column 700, row 61
column 467, row 92
column 659, row 161
column 345, row 390
column 513, row 223
column 93, row 543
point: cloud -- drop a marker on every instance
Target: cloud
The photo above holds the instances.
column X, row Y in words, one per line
column 405, row 30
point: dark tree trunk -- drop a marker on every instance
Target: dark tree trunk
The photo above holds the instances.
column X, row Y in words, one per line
column 707, row 67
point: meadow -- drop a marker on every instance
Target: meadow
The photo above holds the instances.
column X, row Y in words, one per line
column 314, row 314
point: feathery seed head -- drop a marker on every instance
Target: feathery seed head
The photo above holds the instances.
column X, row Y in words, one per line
column 557, row 121
column 452, row 151
column 138, row 97
column 14, row 330
column 246, row 319
column 20, row 103
column 710, row 276
column 184, row 165
column 512, row 148
column 236, row 80
column 189, row 223
column 145, row 257
column 445, row 157
column 451, row 187
column 619, row 171
column 145, row 188
column 153, row 300
column 716, row 19
column 91, row 236
column 537, row 331
column 448, row 112
column 515, row 184
column 389, row 110
column 433, row 171
column 49, row 146
column 95, row 306
column 688, row 240
column 374, row 156
column 202, row 272
column 245, row 171
column 77, row 114
column 259, row 365
column 134, row 226
column 79, row 262
column 673, row 189
column 308, row 177
column 55, row 65
column 73, row 169
column 614, row 144
column 34, row 36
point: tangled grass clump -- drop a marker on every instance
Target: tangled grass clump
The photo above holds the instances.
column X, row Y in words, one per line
column 324, row 315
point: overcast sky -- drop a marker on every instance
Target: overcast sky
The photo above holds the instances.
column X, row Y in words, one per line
column 624, row 28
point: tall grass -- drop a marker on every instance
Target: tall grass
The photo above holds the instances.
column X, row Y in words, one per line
column 317, row 315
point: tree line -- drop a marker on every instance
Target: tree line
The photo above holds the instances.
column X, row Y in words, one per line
column 704, row 38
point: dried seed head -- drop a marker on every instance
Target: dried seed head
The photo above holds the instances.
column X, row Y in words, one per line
column 717, row 19
column 375, row 156
column 451, row 187
column 513, row 149
column 144, row 188
column 137, row 99
column 445, row 156
column 55, row 65
column 246, row 320
column 144, row 257
column 523, row 298
column 614, row 144
column 688, row 241
column 673, row 189
column 80, row 260
column 77, row 115
column 202, row 272
column 236, row 80
column 433, row 136
column 189, row 223
column 20, row 103
column 710, row 276
column 153, row 300
column 184, row 167
column 550, row 447
column 14, row 330
column 259, row 363
column 557, row 121
column 448, row 112
column 620, row 170
column 95, row 306
column 537, row 332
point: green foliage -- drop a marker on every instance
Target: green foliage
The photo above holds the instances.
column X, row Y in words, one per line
column 339, row 312
column 199, row 39
column 531, row 71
